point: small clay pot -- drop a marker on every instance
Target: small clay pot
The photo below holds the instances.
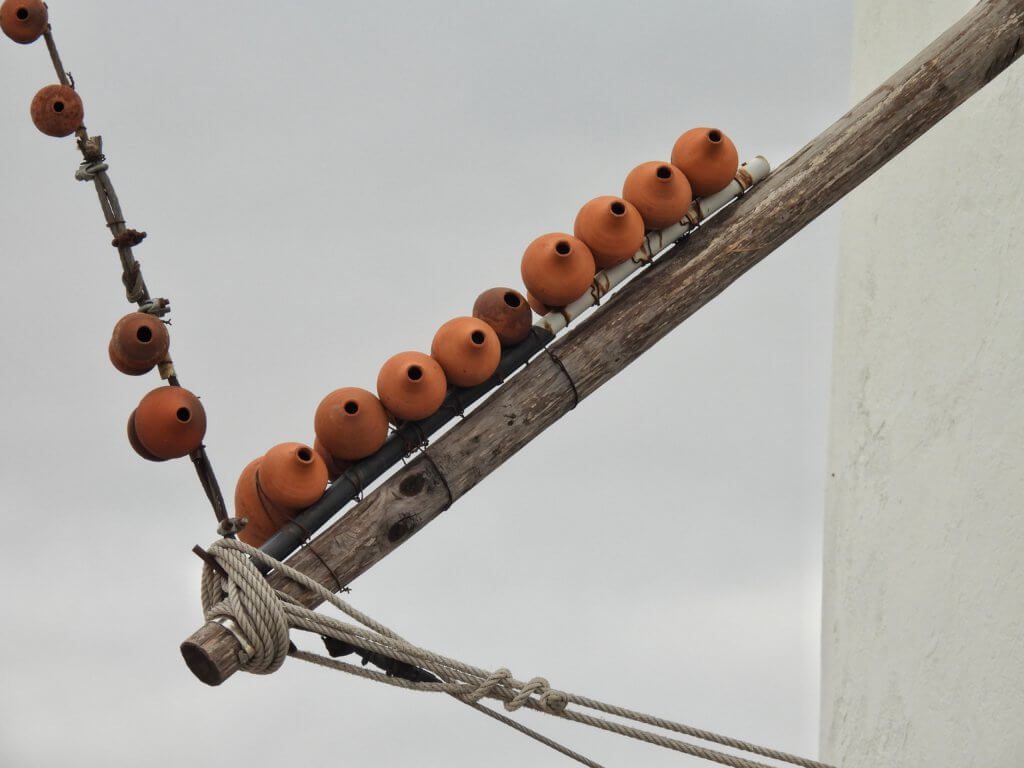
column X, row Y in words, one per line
column 292, row 476
column 170, row 422
column 351, row 423
column 411, row 386
column 139, row 342
column 708, row 158
column 612, row 229
column 468, row 351
column 335, row 467
column 57, row 110
column 558, row 269
column 137, row 446
column 661, row 193
column 537, row 305
column 24, row 21
column 262, row 522
column 507, row 312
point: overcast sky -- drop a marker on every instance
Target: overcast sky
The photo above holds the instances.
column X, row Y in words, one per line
column 324, row 184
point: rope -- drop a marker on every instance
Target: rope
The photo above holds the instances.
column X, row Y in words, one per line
column 264, row 617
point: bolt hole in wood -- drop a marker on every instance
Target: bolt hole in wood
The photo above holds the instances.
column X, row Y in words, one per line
column 512, row 300
column 144, row 334
column 663, row 172
column 618, row 209
column 58, row 106
column 415, row 373
column 184, row 415
column 352, row 407
column 399, row 530
column 412, row 485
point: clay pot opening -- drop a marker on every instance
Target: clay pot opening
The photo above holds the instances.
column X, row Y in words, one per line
column 351, row 407
column 663, row 172
column 512, row 300
column 562, row 248
column 22, row 13
column 305, row 455
column 58, row 106
column 618, row 208
column 714, row 135
column 184, row 415
column 477, row 337
column 415, row 373
column 144, row 334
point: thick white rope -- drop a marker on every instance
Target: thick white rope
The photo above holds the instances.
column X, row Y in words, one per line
column 264, row 617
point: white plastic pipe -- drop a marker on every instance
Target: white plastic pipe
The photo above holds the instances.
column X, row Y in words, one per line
column 656, row 243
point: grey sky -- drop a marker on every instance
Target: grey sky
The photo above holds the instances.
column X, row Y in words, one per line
column 324, row 184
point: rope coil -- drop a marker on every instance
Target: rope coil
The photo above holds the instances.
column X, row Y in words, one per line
column 236, row 591
column 88, row 171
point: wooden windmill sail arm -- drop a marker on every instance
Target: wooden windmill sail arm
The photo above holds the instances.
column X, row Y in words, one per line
column 942, row 76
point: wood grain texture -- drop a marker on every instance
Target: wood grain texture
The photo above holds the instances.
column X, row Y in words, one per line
column 523, row 408
column 972, row 52
column 212, row 653
column 421, row 491
column 371, row 530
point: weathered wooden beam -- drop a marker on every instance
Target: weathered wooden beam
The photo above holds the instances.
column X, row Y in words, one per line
column 955, row 66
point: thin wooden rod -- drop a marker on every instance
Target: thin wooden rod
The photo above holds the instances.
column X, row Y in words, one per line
column 958, row 64
column 136, row 290
column 58, row 65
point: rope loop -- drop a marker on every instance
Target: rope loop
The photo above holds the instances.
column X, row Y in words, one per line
column 497, row 678
column 547, row 699
column 554, row 701
column 88, row 171
column 246, row 598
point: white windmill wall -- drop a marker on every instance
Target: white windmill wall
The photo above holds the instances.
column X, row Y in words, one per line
column 923, row 625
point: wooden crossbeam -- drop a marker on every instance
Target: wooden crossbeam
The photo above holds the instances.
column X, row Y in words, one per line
column 941, row 77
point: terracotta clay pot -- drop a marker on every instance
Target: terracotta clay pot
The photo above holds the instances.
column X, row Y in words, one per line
column 335, row 467
column 351, row 423
column 170, row 422
column 661, row 193
column 612, row 228
column 537, row 305
column 262, row 521
column 139, row 342
column 468, row 351
column 507, row 312
column 292, row 476
column 24, row 21
column 558, row 269
column 411, row 386
column 708, row 158
column 57, row 110
column 137, row 446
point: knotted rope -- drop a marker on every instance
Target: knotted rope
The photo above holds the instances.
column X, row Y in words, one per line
column 237, row 594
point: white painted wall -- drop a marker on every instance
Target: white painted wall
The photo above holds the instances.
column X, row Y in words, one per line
column 923, row 624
